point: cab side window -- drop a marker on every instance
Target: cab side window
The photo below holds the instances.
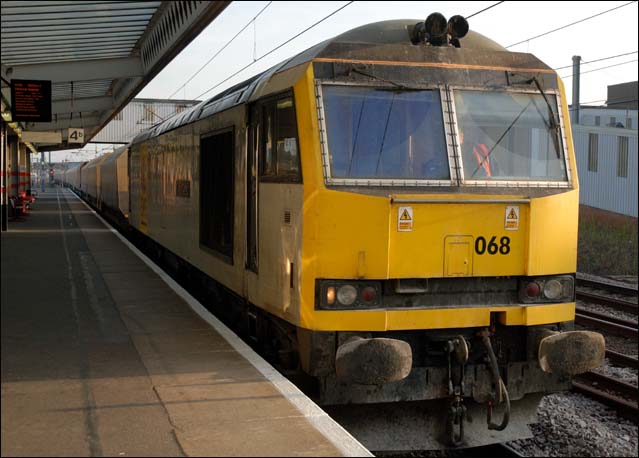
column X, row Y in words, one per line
column 279, row 152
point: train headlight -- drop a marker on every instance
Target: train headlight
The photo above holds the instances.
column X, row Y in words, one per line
column 330, row 295
column 346, row 294
column 553, row 289
column 556, row 288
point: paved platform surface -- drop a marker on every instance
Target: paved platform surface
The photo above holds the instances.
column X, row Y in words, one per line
column 101, row 358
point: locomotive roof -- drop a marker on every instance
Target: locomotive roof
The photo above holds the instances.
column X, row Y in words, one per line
column 379, row 41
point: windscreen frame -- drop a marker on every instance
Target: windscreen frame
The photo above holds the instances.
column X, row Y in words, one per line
column 445, row 104
column 556, row 96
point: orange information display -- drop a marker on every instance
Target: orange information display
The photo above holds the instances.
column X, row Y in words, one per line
column 31, row 100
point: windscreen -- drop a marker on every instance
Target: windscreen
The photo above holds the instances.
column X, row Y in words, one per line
column 509, row 136
column 376, row 133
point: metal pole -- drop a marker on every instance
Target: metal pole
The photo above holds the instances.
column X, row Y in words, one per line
column 6, row 183
column 574, row 118
column 42, row 171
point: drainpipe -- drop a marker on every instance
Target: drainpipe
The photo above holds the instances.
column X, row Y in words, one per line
column 574, row 118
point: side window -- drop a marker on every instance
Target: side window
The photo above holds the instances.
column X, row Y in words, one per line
column 269, row 166
column 216, row 192
column 279, row 153
column 288, row 162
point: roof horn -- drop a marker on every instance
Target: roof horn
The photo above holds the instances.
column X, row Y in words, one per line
column 437, row 32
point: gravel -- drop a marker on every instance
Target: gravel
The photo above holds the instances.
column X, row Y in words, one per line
column 619, row 279
column 570, row 424
column 606, row 310
column 620, row 344
column 625, row 374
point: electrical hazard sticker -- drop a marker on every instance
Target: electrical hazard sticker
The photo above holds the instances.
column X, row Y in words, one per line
column 405, row 219
column 512, row 218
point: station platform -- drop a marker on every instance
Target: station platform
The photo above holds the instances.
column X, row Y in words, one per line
column 103, row 356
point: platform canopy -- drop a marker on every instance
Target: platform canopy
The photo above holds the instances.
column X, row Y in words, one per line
column 97, row 54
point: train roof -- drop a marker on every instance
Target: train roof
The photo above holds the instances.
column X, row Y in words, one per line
column 383, row 40
column 97, row 161
column 115, row 154
column 77, row 166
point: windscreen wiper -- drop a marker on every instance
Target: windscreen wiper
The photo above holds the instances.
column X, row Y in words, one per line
column 501, row 137
column 381, row 148
column 397, row 86
column 552, row 124
column 359, row 121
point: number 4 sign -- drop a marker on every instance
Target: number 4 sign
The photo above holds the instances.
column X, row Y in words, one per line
column 75, row 136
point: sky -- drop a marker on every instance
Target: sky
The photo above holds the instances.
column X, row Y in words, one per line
column 509, row 22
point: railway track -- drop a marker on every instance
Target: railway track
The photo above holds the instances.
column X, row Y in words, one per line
column 606, row 322
column 618, row 304
column 606, row 285
column 620, row 396
column 617, row 394
column 603, row 321
column 619, row 359
column 500, row 450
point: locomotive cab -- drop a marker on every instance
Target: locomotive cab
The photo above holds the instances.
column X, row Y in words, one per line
column 440, row 218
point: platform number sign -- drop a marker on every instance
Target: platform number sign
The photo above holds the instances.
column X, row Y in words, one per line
column 75, row 136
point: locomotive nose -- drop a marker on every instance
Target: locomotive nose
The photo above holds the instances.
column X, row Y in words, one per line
column 571, row 353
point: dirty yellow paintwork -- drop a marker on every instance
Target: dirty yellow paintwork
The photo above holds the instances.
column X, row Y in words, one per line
column 382, row 320
column 350, row 235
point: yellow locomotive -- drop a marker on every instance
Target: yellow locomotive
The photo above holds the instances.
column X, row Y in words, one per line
column 394, row 211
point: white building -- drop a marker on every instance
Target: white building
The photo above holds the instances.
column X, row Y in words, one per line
column 608, row 117
column 607, row 166
column 606, row 148
column 138, row 115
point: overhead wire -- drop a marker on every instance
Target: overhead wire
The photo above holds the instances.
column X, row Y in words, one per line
column 274, row 49
column 601, row 68
column 571, row 24
column 585, row 104
column 597, row 60
column 485, row 9
column 252, row 21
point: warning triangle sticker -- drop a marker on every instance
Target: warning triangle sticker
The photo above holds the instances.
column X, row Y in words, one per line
column 512, row 214
column 405, row 216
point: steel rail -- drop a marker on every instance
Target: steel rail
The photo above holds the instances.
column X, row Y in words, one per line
column 612, row 286
column 627, row 390
column 622, row 360
column 606, row 324
column 606, row 317
column 624, row 408
column 499, row 450
column 619, row 304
